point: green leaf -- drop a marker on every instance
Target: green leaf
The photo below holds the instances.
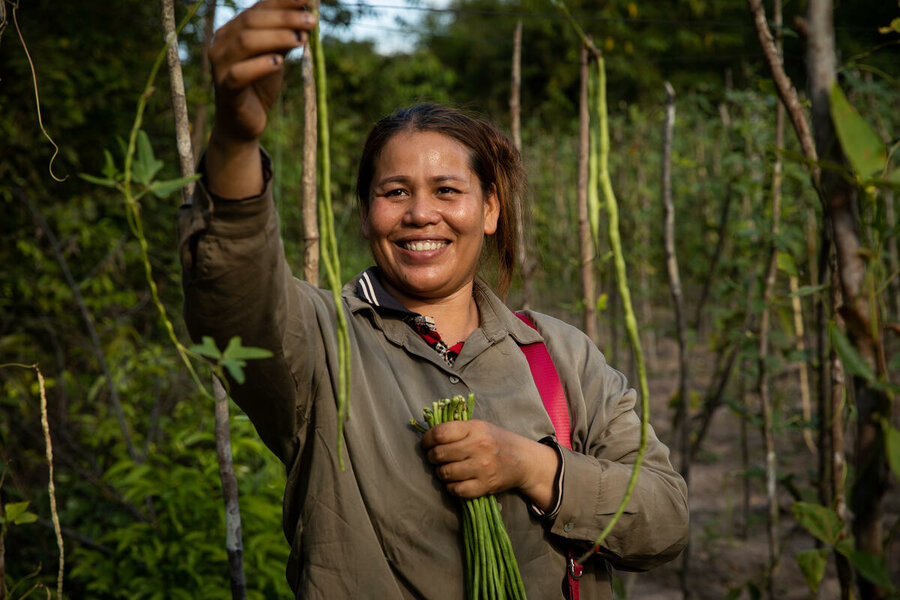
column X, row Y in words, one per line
column 894, row 26
column 145, row 165
column 17, row 513
column 109, row 165
column 105, row 182
column 207, row 348
column 852, row 361
column 812, row 565
column 164, row 189
column 892, row 446
column 235, row 367
column 602, row 302
column 807, row 290
column 870, row 566
column 861, row 145
column 787, row 264
column 821, row 522
column 237, row 351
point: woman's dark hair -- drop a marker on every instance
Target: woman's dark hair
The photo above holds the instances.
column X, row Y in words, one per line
column 492, row 157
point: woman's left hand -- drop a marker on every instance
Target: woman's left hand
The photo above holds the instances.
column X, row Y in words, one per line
column 476, row 458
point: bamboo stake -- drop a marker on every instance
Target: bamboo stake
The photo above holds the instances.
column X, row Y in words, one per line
column 308, row 189
column 803, row 373
column 233, row 544
column 584, row 230
column 223, row 438
column 762, row 375
column 179, row 102
column 678, row 303
column 523, row 257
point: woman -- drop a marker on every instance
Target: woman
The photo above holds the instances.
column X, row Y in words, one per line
column 433, row 186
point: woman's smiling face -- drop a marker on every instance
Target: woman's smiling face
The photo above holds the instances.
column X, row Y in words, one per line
column 427, row 216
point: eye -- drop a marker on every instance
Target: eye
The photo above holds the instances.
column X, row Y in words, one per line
column 394, row 193
column 445, row 190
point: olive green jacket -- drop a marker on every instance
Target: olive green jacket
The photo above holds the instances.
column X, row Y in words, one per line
column 385, row 528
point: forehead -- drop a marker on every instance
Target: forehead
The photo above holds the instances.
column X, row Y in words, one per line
column 415, row 151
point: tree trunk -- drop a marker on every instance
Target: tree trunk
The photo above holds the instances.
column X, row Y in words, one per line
column 201, row 109
column 233, row 546
column 309, row 208
column 584, row 226
column 745, row 451
column 861, row 318
column 179, row 103
column 838, row 466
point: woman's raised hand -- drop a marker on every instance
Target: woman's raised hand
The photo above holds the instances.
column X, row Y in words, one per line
column 247, row 58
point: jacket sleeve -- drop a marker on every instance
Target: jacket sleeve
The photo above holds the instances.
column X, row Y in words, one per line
column 606, row 438
column 237, row 283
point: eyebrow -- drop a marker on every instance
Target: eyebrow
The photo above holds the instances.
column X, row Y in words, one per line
column 405, row 178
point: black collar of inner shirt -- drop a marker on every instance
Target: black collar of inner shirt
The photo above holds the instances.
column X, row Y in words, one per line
column 370, row 289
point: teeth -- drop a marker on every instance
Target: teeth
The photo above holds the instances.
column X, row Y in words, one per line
column 424, row 246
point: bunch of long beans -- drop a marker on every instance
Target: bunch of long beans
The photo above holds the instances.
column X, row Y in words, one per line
column 491, row 568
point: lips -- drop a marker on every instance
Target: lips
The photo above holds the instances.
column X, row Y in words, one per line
column 423, row 245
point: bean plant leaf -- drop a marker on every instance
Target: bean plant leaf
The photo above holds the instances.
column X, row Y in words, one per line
column 892, row 444
column 852, row 361
column 105, row 182
column 145, row 166
column 164, row 189
column 893, row 27
column 812, row 565
column 820, row 521
column 17, row 513
column 235, row 368
column 870, row 566
column 207, row 348
column 860, row 143
column 109, row 165
column 787, row 263
column 236, row 351
column 807, row 290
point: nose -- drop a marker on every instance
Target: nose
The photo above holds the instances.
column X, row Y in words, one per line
column 421, row 210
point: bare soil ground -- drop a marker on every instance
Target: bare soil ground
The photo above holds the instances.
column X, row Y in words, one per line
column 722, row 555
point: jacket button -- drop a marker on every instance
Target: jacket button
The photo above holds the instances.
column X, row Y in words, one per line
column 568, row 527
column 454, row 379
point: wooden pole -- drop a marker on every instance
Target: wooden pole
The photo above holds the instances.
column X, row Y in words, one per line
column 223, row 438
column 523, row 256
column 179, row 103
column 308, row 199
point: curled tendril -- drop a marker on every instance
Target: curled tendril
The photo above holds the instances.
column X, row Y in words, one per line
column 37, row 97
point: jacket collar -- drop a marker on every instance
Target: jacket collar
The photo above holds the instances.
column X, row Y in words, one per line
column 366, row 293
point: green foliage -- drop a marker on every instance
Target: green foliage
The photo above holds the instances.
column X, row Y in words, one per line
column 16, row 513
column 862, row 146
column 233, row 358
column 825, row 524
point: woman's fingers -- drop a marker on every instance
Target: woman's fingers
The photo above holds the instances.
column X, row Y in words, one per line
column 240, row 75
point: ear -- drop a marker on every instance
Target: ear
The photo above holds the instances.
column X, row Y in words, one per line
column 491, row 211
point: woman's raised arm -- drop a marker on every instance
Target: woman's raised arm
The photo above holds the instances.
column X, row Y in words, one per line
column 247, row 58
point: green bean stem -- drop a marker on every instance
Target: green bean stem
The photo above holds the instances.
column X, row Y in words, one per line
column 328, row 248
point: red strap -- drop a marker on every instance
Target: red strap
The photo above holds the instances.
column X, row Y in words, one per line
column 548, row 384
column 547, row 381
